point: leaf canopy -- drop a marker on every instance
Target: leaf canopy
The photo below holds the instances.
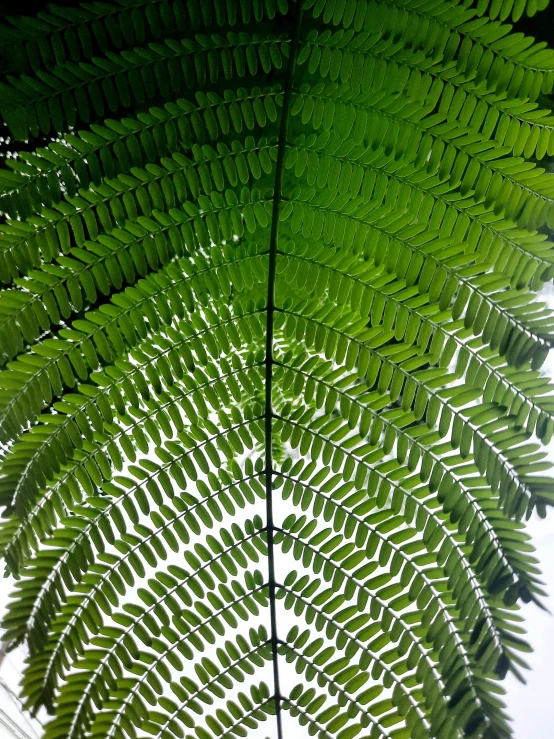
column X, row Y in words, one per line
column 271, row 404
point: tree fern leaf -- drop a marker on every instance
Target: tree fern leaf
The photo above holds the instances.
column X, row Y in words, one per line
column 298, row 278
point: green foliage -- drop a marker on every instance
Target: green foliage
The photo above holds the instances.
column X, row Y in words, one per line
column 271, row 404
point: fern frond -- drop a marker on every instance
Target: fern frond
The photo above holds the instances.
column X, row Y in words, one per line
column 271, row 399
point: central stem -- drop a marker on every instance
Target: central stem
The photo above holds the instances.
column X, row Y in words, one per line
column 272, row 271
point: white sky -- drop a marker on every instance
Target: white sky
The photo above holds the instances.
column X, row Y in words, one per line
column 531, row 706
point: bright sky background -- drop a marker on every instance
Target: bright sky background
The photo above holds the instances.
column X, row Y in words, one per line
column 531, row 706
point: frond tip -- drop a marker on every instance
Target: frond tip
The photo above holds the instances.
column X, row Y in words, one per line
column 271, row 404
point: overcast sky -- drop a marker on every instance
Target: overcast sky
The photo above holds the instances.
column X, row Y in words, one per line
column 531, row 706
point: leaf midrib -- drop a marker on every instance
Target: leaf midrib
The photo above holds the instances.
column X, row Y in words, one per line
column 268, row 411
